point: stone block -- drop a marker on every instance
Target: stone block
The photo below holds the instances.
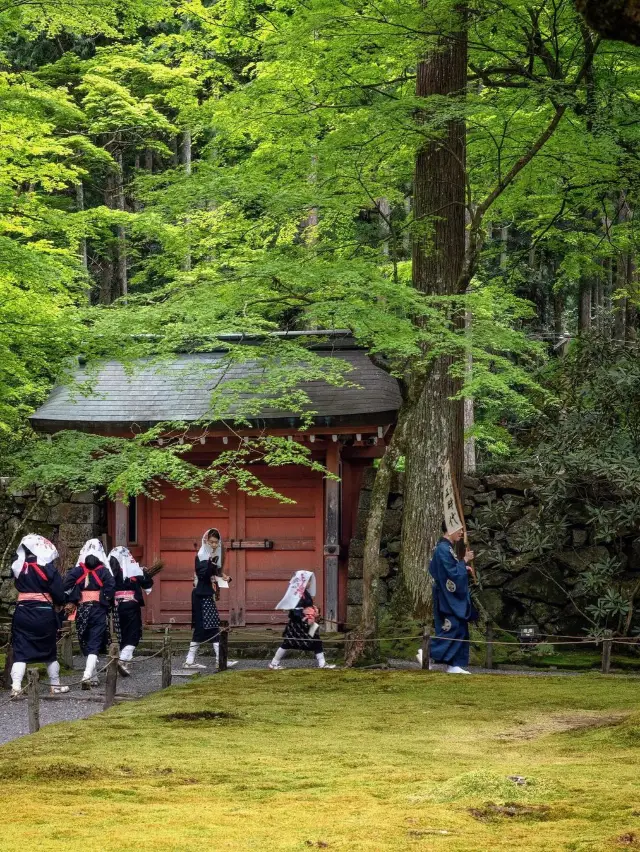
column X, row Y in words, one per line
column 383, row 567
column 74, row 513
column 471, row 482
column 354, row 568
column 84, row 497
column 509, row 482
column 394, row 547
column 392, row 524
column 579, row 538
column 8, row 593
column 579, row 560
column 368, row 478
column 487, row 498
column 364, row 502
column 396, row 502
column 76, row 534
column 354, row 593
column 354, row 615
column 356, row 547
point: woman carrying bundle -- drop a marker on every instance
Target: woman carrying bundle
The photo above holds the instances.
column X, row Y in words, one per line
column 90, row 588
column 205, row 620
column 301, row 631
column 131, row 580
column 35, row 622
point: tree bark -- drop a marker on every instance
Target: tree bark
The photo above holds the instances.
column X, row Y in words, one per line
column 186, row 162
column 615, row 19
column 123, row 283
column 83, row 243
column 435, row 427
column 584, row 306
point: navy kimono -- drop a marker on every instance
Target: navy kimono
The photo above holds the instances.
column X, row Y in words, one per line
column 91, row 623
column 127, row 612
column 35, row 622
column 205, row 619
column 296, row 633
column 452, row 607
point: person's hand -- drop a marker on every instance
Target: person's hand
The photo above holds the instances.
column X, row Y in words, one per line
column 469, row 556
column 226, row 578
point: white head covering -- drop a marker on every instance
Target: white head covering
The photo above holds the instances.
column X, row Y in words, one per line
column 125, row 559
column 41, row 548
column 300, row 581
column 206, row 551
column 94, row 547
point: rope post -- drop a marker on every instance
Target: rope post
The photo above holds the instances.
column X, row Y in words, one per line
column 66, row 646
column 112, row 677
column 33, row 700
column 166, row 660
column 488, row 661
column 606, row 654
column 224, row 646
column 426, row 647
column 8, row 662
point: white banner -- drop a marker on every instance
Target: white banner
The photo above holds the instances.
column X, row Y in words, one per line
column 451, row 516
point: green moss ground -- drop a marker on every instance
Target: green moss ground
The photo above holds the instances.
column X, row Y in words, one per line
column 352, row 759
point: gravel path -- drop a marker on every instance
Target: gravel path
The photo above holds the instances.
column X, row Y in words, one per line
column 146, row 678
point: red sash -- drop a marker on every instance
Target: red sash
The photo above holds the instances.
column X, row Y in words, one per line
column 36, row 568
column 86, row 572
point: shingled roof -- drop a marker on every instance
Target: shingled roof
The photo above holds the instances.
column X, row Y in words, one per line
column 180, row 390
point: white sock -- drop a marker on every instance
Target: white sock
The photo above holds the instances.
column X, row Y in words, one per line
column 193, row 650
column 53, row 670
column 321, row 660
column 279, row 654
column 127, row 653
column 216, row 650
column 17, row 674
column 90, row 667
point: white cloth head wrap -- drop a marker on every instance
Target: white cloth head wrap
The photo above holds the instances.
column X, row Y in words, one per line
column 41, row 548
column 301, row 581
column 125, row 559
column 207, row 552
column 94, row 547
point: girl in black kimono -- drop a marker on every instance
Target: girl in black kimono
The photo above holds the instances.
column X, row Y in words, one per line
column 90, row 587
column 302, row 628
column 131, row 580
column 205, row 620
column 35, row 621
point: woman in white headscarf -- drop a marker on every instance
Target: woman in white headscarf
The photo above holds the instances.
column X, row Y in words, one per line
column 205, row 619
column 35, row 622
column 90, row 587
column 131, row 581
column 301, row 631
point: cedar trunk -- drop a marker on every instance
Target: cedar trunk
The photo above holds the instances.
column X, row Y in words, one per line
column 436, row 424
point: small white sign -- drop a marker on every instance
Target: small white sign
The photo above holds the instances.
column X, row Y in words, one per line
column 451, row 516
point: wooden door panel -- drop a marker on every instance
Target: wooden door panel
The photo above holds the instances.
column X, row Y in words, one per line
column 260, row 577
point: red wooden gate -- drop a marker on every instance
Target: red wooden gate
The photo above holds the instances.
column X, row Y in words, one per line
column 260, row 575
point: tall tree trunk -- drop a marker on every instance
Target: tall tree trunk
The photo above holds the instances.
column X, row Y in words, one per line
column 186, row 162
column 435, row 426
column 83, row 243
column 584, row 306
column 358, row 647
column 123, row 283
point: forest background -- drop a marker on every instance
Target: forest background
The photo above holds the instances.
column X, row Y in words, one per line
column 455, row 184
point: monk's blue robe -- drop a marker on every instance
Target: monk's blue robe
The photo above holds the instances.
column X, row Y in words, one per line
column 452, row 607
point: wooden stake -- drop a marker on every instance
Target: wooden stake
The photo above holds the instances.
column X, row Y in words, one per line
column 33, row 700
column 606, row 655
column 426, row 647
column 489, row 647
column 66, row 646
column 166, row 660
column 112, row 677
column 224, row 646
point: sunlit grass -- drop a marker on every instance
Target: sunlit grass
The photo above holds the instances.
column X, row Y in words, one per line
column 354, row 760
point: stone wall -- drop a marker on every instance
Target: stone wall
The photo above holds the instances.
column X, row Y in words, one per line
column 517, row 586
column 66, row 519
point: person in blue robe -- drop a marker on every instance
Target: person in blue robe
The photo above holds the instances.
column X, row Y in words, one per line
column 452, row 606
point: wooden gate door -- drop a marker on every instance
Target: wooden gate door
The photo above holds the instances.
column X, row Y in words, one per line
column 260, row 575
column 296, row 530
